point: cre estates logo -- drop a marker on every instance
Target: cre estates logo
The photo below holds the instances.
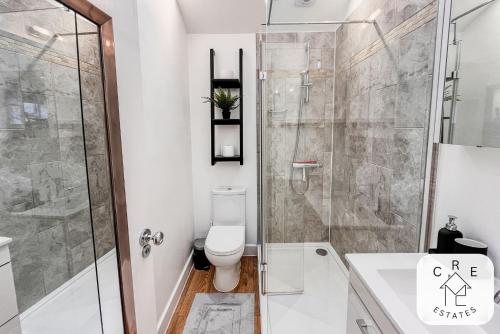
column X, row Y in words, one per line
column 455, row 289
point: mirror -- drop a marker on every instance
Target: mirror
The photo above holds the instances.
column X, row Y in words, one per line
column 471, row 98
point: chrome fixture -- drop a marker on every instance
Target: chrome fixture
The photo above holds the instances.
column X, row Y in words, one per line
column 145, row 239
column 455, row 74
column 497, row 297
column 455, row 19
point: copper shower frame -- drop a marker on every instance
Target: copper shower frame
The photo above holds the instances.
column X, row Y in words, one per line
column 105, row 23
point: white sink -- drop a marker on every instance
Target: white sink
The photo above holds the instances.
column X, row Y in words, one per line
column 391, row 280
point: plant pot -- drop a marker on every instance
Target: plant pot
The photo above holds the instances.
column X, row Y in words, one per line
column 226, row 114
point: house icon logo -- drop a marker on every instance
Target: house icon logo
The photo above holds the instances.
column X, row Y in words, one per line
column 455, row 289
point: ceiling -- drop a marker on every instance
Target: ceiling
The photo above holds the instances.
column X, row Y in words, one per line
column 247, row 16
column 318, row 10
column 223, row 16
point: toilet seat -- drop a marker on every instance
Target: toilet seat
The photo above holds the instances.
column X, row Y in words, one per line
column 225, row 240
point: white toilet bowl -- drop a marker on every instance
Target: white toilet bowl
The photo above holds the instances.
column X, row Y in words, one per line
column 224, row 247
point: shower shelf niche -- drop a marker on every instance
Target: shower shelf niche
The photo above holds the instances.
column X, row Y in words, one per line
column 226, row 84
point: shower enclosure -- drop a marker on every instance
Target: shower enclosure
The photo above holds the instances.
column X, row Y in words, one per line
column 56, row 195
column 344, row 105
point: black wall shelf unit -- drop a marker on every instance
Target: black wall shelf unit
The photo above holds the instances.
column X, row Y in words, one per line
column 226, row 84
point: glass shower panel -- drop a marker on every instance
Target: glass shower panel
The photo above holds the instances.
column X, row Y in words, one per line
column 101, row 199
column 44, row 198
column 283, row 208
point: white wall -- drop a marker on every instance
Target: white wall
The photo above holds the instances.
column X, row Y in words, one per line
column 206, row 176
column 167, row 144
column 129, row 77
column 151, row 55
column 468, row 186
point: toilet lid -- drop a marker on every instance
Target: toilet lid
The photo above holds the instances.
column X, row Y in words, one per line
column 225, row 240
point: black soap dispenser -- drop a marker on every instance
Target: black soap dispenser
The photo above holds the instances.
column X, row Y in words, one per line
column 447, row 235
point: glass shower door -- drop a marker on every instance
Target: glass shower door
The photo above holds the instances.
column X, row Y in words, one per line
column 55, row 190
column 282, row 204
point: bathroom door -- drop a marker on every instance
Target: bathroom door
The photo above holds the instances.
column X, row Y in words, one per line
column 55, row 189
column 282, row 210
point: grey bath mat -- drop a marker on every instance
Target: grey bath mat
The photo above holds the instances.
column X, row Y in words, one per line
column 221, row 313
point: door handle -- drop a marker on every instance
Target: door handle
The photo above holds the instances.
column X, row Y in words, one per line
column 146, row 238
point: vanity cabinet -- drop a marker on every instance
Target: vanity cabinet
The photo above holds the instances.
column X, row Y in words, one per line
column 359, row 320
column 364, row 315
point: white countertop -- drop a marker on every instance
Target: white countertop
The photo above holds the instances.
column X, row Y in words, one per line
column 391, row 280
column 5, row 241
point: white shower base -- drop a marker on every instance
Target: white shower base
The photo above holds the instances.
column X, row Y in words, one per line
column 321, row 308
column 74, row 307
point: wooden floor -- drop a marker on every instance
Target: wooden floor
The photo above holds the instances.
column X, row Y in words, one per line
column 201, row 281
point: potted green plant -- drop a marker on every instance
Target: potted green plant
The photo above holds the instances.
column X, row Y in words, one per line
column 223, row 100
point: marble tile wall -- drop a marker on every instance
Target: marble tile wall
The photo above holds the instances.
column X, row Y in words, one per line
column 292, row 216
column 381, row 112
column 44, row 195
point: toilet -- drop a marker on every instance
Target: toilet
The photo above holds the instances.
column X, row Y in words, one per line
column 226, row 238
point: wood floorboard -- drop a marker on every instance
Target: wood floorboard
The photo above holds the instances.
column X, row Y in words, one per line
column 201, row 281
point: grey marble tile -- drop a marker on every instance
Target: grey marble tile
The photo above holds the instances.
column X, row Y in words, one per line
column 407, row 153
column 88, row 45
column 47, row 182
column 104, row 232
column 382, row 181
column 359, row 107
column 315, row 109
column 41, row 127
column 388, row 19
column 317, row 40
column 383, row 105
column 311, row 144
column 278, row 151
column 68, row 109
column 71, row 144
column 66, row 80
column 16, row 194
column 14, row 149
column 406, row 199
column 328, row 59
column 92, row 87
column 294, row 215
column 79, row 228
column 416, row 52
column 413, row 103
column 384, row 66
column 292, row 90
column 277, row 207
column 382, row 145
column 28, row 272
column 99, row 180
column 314, row 229
column 293, row 59
column 406, row 9
column 95, row 129
column 39, row 110
column 315, row 58
column 35, row 75
column 54, row 257
column 280, row 37
column 343, row 55
column 82, row 256
column 359, row 78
